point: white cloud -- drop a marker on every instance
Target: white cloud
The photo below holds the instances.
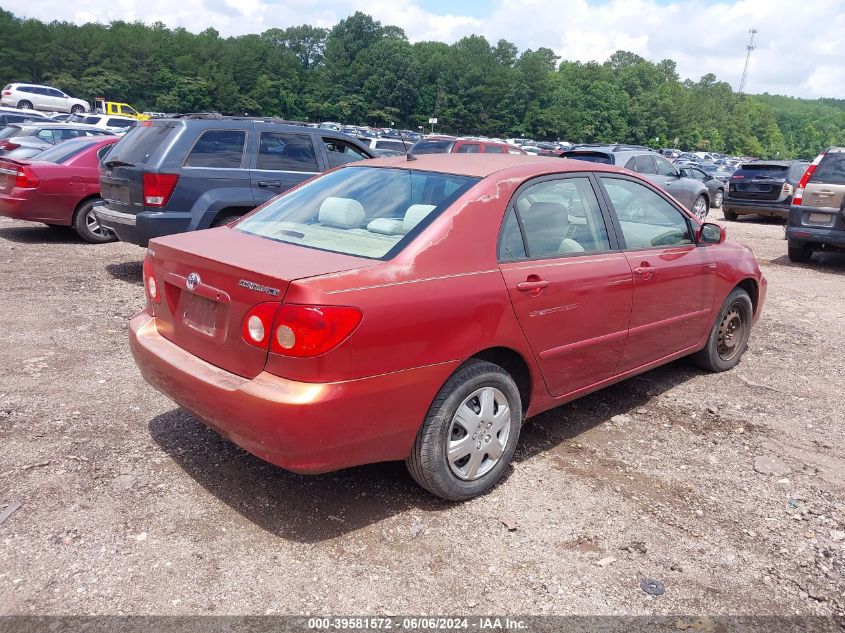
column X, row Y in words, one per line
column 798, row 46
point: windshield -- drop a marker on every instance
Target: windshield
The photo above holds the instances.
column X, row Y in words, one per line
column 364, row 211
column 63, row 152
column 764, row 171
column 432, row 147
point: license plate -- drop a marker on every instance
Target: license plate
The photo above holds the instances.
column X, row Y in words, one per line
column 820, row 218
column 200, row 314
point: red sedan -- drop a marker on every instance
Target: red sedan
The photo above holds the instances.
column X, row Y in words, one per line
column 58, row 186
column 423, row 309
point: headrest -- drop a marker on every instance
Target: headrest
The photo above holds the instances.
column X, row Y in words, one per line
column 387, row 226
column 415, row 214
column 568, row 245
column 343, row 213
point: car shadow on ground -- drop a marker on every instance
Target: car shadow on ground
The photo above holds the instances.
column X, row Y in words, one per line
column 823, row 262
column 315, row 508
column 42, row 234
column 130, row 272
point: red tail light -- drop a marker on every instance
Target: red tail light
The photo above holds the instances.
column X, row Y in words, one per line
column 7, row 93
column 150, row 283
column 8, row 146
column 299, row 330
column 799, row 190
column 158, row 188
column 26, row 178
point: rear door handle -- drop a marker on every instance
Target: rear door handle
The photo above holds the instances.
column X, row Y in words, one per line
column 533, row 285
column 646, row 271
column 269, row 183
column 826, row 193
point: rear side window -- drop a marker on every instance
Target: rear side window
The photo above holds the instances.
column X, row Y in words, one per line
column 664, row 167
column 831, row 170
column 283, row 151
column 218, row 148
column 399, row 146
column 644, row 164
column 140, row 143
column 493, row 149
column 363, row 211
column 559, row 217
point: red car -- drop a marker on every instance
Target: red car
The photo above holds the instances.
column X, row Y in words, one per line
column 58, row 186
column 422, row 309
column 452, row 145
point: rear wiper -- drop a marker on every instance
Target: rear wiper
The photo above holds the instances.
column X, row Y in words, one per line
column 118, row 163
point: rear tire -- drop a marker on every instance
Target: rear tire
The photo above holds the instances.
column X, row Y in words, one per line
column 77, row 109
column 800, row 254
column 477, row 416
column 730, row 214
column 224, row 219
column 24, row 105
column 718, row 199
column 87, row 226
column 728, row 338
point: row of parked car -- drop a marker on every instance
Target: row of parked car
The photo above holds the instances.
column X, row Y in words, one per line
column 196, row 171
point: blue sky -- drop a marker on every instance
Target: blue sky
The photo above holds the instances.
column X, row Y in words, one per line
column 798, row 53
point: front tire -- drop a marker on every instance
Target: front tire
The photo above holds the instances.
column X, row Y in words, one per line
column 718, row 199
column 88, row 227
column 24, row 105
column 470, row 433
column 77, row 109
column 800, row 254
column 728, row 339
column 700, row 208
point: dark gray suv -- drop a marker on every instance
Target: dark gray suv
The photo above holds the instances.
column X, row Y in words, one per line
column 175, row 175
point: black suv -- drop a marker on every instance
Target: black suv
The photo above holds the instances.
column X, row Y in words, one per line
column 763, row 187
column 192, row 172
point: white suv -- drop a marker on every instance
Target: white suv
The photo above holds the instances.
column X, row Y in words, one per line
column 35, row 97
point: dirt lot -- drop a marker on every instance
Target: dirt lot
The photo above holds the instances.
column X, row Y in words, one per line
column 129, row 505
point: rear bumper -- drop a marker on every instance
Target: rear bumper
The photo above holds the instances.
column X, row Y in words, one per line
column 140, row 228
column 29, row 205
column 302, row 427
column 769, row 207
column 801, row 235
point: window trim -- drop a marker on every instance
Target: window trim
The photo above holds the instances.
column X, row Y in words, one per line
column 197, row 140
column 610, row 227
column 617, row 226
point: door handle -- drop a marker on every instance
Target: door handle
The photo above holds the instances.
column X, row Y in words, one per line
column 826, row 193
column 269, row 183
column 646, row 271
column 532, row 285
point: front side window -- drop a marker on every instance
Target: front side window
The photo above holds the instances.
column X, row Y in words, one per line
column 493, row 149
column 220, row 149
column 46, row 135
column 363, row 211
column 559, row 217
column 283, row 151
column 341, row 152
column 647, row 220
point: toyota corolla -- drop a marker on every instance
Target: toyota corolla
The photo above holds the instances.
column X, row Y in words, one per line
column 422, row 309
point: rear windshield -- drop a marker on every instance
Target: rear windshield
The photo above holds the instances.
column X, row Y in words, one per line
column 63, row 152
column 764, row 171
column 592, row 157
column 432, row 147
column 831, row 170
column 139, row 144
column 363, row 211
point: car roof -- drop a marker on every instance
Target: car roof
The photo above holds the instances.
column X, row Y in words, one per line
column 484, row 165
column 773, row 163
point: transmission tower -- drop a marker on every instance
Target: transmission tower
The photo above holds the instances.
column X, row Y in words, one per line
column 750, row 47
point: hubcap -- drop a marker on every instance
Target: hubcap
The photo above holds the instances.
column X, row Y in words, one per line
column 478, row 433
column 719, row 197
column 731, row 332
column 700, row 208
column 94, row 225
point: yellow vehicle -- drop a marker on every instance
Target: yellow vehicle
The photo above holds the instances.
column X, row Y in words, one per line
column 118, row 109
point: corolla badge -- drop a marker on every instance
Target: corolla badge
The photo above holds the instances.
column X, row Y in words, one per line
column 193, row 281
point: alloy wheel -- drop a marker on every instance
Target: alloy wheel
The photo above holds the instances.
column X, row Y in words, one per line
column 700, row 208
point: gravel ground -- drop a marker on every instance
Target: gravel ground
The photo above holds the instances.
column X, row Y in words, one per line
column 131, row 506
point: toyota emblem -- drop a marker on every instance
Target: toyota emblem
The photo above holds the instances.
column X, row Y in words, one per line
column 193, row 281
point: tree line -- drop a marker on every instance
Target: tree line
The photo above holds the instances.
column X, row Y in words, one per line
column 363, row 72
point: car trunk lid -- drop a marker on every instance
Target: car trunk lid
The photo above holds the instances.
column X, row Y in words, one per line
column 759, row 182
column 209, row 281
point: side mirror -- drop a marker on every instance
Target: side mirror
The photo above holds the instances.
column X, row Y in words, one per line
column 710, row 233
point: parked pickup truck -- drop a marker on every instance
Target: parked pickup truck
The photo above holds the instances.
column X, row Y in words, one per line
column 193, row 172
